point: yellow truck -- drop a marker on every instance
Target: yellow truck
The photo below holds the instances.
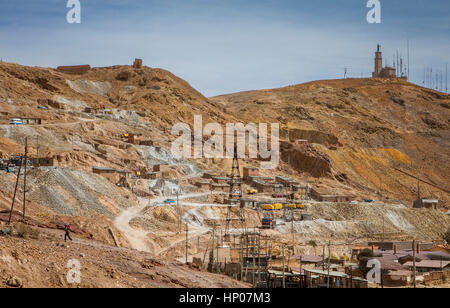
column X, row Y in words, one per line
column 296, row 206
column 268, row 207
column 252, row 191
column 278, row 206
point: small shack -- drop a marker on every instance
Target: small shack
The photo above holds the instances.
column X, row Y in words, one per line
column 31, row 121
column 426, row 203
column 135, row 139
column 161, row 168
column 203, row 185
column 47, row 162
column 285, row 181
column 426, row 266
column 250, row 203
column 149, row 143
column 220, row 187
column 109, row 173
column 221, row 180
column 209, row 175
column 265, row 187
column 335, row 280
column 248, row 171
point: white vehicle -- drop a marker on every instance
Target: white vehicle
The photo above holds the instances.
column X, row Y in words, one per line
column 15, row 122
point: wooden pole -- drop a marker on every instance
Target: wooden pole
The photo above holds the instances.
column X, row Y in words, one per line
column 259, row 258
column 73, row 156
column 37, row 150
column 414, row 262
column 179, row 212
column 206, row 251
column 25, row 178
column 284, row 278
column 242, row 256
column 187, row 243
column 329, row 262
column 15, row 192
column 323, row 257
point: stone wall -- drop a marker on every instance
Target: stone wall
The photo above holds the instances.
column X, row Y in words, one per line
column 75, row 69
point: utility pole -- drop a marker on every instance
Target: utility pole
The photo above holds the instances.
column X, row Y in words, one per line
column 73, row 156
column 15, row 191
column 329, row 262
column 284, row 278
column 254, row 261
column 292, row 226
column 25, row 178
column 179, row 212
column 323, row 257
column 414, row 262
column 37, row 150
column 242, row 256
column 213, row 242
column 187, row 242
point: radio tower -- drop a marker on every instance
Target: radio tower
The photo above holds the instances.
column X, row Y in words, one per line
column 235, row 195
column 235, row 179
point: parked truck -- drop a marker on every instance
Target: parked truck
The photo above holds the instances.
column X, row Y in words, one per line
column 268, row 223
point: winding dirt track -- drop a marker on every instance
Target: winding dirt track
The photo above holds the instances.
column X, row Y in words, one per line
column 139, row 238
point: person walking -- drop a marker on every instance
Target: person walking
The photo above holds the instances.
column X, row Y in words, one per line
column 67, row 229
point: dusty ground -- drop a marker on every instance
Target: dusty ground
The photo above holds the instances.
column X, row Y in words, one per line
column 101, row 265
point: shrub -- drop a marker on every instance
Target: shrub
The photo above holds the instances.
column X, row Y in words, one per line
column 26, row 231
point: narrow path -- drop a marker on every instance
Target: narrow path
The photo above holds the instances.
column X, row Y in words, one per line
column 138, row 239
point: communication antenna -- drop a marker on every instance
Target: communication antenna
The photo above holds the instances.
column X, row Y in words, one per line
column 446, row 78
column 407, row 43
column 397, row 66
column 401, row 67
column 424, row 75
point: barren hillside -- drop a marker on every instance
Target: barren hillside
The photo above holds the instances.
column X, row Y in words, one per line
column 364, row 128
column 358, row 131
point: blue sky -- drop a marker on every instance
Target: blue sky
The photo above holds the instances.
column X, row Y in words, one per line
column 224, row 46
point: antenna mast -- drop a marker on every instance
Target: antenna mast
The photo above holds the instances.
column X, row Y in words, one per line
column 408, row 58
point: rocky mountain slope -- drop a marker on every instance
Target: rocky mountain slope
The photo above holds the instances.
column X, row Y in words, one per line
column 358, row 131
column 364, row 128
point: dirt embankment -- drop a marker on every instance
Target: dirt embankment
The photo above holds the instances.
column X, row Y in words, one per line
column 28, row 263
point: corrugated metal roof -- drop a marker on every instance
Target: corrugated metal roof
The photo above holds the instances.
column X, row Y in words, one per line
column 309, row 258
column 429, row 264
column 104, row 168
column 334, row 274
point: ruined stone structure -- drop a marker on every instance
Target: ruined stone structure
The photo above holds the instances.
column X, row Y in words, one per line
column 75, row 69
column 138, row 63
